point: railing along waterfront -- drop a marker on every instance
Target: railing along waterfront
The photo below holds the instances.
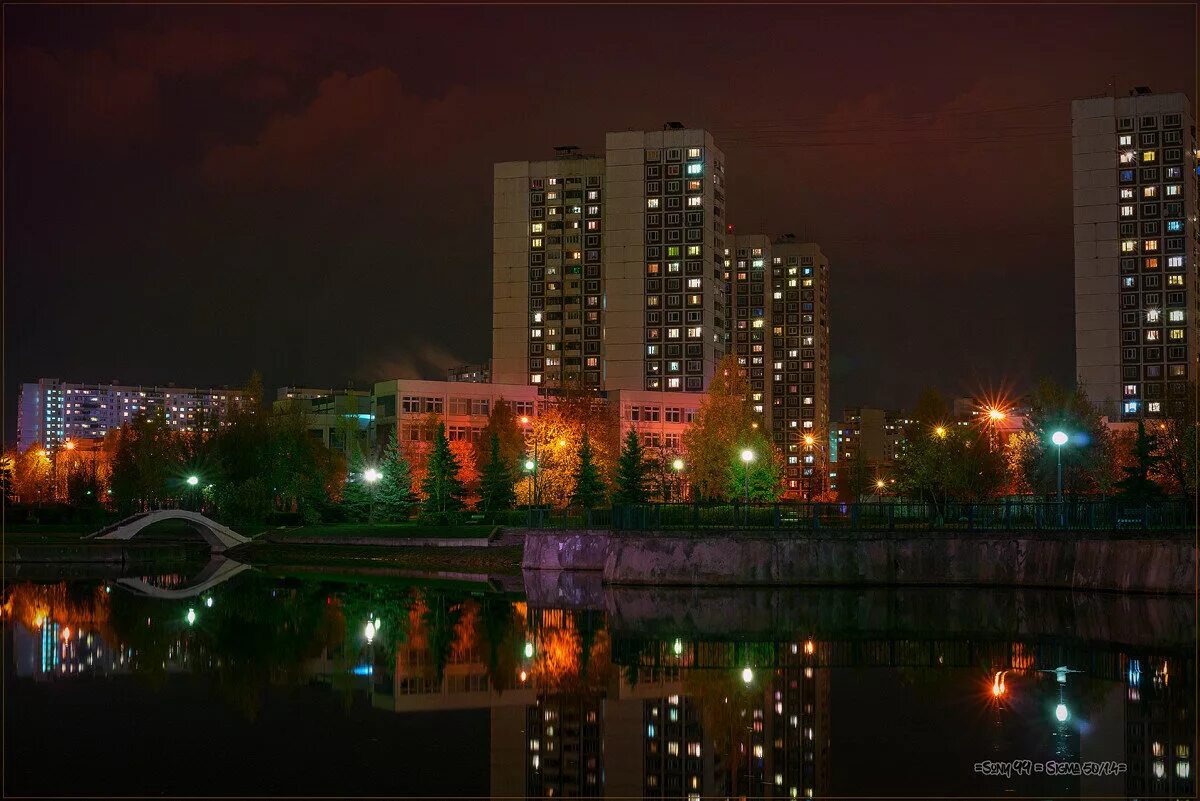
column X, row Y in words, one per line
column 1107, row 515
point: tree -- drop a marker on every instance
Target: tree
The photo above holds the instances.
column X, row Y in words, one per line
column 394, row 494
column 147, row 463
column 1137, row 486
column 496, row 492
column 949, row 463
column 556, row 436
column 631, row 471
column 724, row 424
column 504, row 423
column 589, row 487
column 442, row 487
column 1087, row 458
column 358, row 496
column 763, row 475
column 1178, row 446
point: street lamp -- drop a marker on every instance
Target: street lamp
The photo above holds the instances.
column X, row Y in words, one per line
column 940, row 431
column 193, row 481
column 677, row 465
column 1059, row 438
column 809, row 467
column 747, row 458
column 371, row 475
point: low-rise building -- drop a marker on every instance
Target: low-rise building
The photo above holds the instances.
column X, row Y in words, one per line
column 339, row 418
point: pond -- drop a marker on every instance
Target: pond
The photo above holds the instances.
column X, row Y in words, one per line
column 242, row 681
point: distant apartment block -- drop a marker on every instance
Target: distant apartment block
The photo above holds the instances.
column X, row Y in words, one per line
column 777, row 296
column 606, row 269
column 471, row 373
column 1136, row 249
column 52, row 411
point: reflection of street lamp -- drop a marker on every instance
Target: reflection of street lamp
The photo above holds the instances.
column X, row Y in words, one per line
column 528, row 649
column 747, row 674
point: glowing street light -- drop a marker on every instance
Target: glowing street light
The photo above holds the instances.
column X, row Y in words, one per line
column 528, row 649
column 193, row 481
column 529, row 464
column 747, row 674
column 996, row 415
column 677, row 646
column 1059, row 438
column 677, row 465
column 809, row 440
column 940, row 431
column 369, row 631
column 1061, row 713
column 69, row 445
column 747, row 458
column 371, row 475
column 191, row 617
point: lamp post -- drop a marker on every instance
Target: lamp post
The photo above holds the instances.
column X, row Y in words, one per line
column 1059, row 438
column 531, row 467
column 747, row 458
column 677, row 465
column 809, row 441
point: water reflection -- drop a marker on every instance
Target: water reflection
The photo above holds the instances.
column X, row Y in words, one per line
column 660, row 693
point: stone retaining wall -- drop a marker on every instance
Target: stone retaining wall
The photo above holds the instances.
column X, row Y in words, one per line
column 1166, row 564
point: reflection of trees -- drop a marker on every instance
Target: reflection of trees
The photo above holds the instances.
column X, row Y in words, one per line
column 440, row 619
column 574, row 655
column 498, row 624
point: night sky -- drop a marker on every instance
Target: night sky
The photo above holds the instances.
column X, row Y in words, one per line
column 195, row 192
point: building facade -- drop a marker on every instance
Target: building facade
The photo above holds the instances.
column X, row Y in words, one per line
column 606, row 269
column 52, row 411
column 777, row 308
column 339, row 418
column 1136, row 249
column 547, row 271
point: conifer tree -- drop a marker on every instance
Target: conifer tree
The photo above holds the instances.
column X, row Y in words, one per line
column 589, row 486
column 496, row 492
column 394, row 495
column 442, row 486
column 631, row 471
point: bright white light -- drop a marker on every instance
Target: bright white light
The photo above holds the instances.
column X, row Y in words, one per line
column 1058, row 438
column 677, row 647
column 747, row 674
column 677, row 464
column 528, row 650
column 378, row 624
column 747, row 456
column 191, row 617
column 371, row 475
column 369, row 631
column 528, row 464
column 1061, row 713
column 192, row 481
column 208, row 602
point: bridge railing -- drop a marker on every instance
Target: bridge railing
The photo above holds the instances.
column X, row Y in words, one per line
column 1107, row 515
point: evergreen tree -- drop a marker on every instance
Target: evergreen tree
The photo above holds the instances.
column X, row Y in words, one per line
column 442, row 487
column 394, row 493
column 496, row 481
column 631, row 471
column 357, row 494
column 1137, row 486
column 589, row 486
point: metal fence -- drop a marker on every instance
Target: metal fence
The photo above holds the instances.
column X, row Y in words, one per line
column 1011, row 515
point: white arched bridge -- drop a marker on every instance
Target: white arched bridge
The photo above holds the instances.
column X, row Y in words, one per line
column 218, row 537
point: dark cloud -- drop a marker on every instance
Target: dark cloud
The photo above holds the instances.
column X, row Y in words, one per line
column 306, row 189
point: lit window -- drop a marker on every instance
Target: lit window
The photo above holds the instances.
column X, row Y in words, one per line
column 695, row 169
column 694, row 201
column 1152, row 315
column 1125, row 140
column 1127, row 211
column 1150, row 246
column 1150, row 191
column 1175, row 334
column 693, row 250
column 1128, row 245
column 1172, row 189
column 1154, row 406
column 652, row 203
column 1175, row 315
column 1149, row 156
column 693, row 153
column 1153, row 336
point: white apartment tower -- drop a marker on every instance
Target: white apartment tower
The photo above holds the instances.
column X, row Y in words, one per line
column 1136, row 249
column 662, row 254
column 606, row 271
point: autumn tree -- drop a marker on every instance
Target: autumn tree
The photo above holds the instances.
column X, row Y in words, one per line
column 631, row 471
column 941, row 464
column 1178, row 446
column 556, row 437
column 589, row 489
column 508, row 429
column 725, row 424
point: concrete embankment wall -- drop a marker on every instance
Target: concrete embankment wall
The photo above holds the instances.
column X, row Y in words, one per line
column 1063, row 560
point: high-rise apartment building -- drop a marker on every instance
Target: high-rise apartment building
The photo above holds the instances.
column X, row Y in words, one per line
column 1136, row 250
column 606, row 273
column 548, row 285
column 52, row 411
column 777, row 294
column 666, row 231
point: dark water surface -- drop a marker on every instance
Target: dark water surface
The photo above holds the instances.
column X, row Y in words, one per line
column 242, row 682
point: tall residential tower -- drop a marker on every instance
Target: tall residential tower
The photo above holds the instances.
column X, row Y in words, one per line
column 1136, row 249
